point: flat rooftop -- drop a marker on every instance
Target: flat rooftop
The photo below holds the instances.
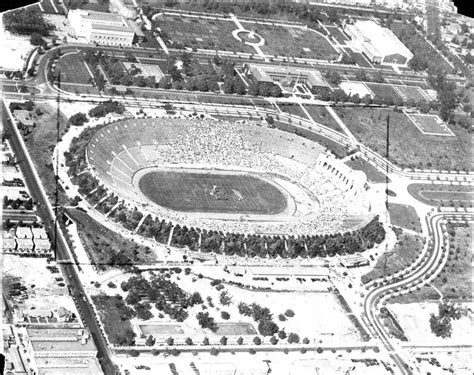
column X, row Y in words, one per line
column 64, row 346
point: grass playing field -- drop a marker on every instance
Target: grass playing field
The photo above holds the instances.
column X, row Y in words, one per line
column 431, row 124
column 212, row 192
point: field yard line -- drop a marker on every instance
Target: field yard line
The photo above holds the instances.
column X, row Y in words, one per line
column 341, row 124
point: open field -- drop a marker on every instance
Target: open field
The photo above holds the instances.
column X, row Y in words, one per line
column 40, row 144
column 405, row 252
column 111, row 318
column 73, row 69
column 404, row 216
column 409, row 147
column 161, row 329
column 202, row 33
column 411, row 92
column 107, row 248
column 293, row 109
column 335, row 148
column 435, row 195
column 235, row 329
column 321, row 115
column 212, row 192
column 372, row 173
column 294, row 42
column 337, row 34
column 384, row 92
column 430, row 124
column 415, row 322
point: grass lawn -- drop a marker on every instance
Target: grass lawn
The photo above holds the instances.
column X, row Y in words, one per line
column 383, row 91
column 212, row 192
column 442, row 195
column 110, row 316
column 404, row 216
column 411, row 92
column 335, row 148
column 293, row 109
column 40, row 144
column 405, row 252
column 105, row 246
column 73, row 69
column 321, row 115
column 372, row 173
column 294, row 42
column 409, row 147
column 455, row 279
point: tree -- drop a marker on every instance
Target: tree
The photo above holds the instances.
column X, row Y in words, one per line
column 361, row 75
column 293, row 338
column 205, row 341
column 206, row 321
column 378, row 76
column 223, row 340
column 282, row 335
column 150, row 341
column 305, row 340
column 170, row 341
column 78, row 119
column 240, row 341
column 37, row 40
column 267, row 327
column 273, row 340
column 257, row 340
column 189, row 341
column 224, row 298
column 225, row 315
column 134, row 353
column 289, row 313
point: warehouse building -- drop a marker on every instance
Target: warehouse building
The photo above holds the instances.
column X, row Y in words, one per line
column 102, row 28
column 378, row 43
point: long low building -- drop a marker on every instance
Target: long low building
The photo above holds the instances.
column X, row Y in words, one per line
column 285, row 75
column 61, row 342
column 378, row 43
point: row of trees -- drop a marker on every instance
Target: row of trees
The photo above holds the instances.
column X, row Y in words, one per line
column 166, row 295
column 104, row 108
column 26, row 21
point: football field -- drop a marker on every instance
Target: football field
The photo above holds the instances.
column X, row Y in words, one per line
column 217, row 192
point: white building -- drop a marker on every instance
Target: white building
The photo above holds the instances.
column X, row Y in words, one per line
column 378, row 43
column 101, row 28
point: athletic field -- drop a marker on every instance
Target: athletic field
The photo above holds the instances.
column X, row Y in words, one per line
column 212, row 192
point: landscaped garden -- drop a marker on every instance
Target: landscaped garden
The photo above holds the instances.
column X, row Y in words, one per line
column 405, row 252
column 404, row 216
column 443, row 195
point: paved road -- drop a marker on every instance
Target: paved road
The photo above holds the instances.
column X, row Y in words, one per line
column 426, row 270
column 46, row 213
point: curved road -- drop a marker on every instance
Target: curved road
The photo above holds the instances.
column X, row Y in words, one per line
column 420, row 275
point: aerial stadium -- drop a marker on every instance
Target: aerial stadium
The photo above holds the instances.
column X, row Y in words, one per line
column 228, row 176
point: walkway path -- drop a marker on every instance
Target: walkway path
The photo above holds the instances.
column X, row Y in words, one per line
column 341, row 124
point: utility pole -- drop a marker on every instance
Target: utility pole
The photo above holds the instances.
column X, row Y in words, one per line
column 387, row 154
column 56, row 176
